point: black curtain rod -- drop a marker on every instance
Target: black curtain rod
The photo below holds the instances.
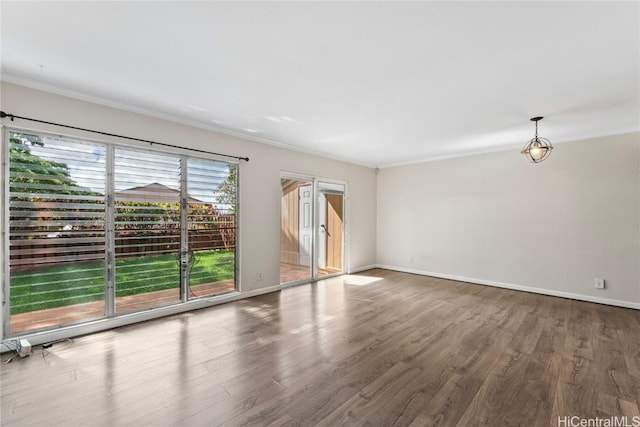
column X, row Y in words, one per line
column 13, row 116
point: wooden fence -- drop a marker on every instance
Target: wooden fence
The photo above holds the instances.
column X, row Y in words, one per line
column 69, row 247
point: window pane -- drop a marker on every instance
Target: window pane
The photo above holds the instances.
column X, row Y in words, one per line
column 211, row 226
column 56, row 231
column 147, row 229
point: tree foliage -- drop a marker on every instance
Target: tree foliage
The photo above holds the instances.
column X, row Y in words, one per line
column 40, row 190
column 41, row 175
column 226, row 190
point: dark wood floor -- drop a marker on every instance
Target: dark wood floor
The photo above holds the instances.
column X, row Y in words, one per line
column 405, row 350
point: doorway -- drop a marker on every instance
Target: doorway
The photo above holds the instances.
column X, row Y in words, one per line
column 312, row 228
column 296, row 229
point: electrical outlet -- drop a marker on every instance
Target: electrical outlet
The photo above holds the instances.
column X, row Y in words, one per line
column 598, row 283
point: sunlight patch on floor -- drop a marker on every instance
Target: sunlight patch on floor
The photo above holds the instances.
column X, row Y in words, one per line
column 349, row 279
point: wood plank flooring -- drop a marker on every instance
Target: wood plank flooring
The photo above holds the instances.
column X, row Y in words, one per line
column 401, row 350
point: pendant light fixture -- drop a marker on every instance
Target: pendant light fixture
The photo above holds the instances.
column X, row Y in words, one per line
column 538, row 149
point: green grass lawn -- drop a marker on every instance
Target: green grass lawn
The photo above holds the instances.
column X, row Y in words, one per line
column 76, row 283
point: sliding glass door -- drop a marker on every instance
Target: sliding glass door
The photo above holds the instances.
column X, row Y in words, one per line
column 96, row 230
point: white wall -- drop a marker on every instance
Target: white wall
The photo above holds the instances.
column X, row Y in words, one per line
column 259, row 178
column 496, row 219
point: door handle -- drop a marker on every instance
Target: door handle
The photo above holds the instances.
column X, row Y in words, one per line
column 325, row 230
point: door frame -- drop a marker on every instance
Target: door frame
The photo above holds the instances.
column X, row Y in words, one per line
column 315, row 217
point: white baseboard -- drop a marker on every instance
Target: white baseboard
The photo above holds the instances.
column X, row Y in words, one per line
column 363, row 268
column 550, row 292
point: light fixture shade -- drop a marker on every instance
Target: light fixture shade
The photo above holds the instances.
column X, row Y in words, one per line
column 537, row 149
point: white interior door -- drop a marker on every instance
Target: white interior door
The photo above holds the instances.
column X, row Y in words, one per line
column 305, row 225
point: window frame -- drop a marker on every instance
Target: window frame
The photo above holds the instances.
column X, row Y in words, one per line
column 111, row 319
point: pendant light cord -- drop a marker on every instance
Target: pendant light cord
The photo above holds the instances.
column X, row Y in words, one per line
column 13, row 116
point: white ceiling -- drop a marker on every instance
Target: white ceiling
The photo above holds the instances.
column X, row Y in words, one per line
column 375, row 83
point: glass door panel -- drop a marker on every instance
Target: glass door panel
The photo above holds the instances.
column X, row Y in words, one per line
column 211, row 254
column 147, row 229
column 330, row 228
column 56, row 231
column 296, row 229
